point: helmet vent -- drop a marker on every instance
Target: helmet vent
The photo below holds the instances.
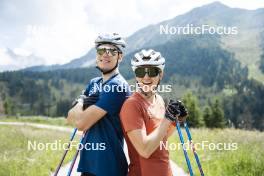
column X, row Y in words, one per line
column 158, row 58
column 146, row 58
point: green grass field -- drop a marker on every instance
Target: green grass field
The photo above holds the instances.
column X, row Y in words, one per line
column 247, row 160
column 17, row 159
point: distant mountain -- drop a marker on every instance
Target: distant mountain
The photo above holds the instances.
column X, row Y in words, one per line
column 204, row 60
column 85, row 61
column 16, row 61
column 214, row 14
column 245, row 45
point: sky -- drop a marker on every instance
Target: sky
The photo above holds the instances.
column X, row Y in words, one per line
column 57, row 31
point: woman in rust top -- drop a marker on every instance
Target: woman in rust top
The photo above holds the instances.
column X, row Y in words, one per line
column 145, row 120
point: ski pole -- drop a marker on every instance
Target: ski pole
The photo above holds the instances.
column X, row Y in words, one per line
column 193, row 148
column 65, row 152
column 184, row 150
column 75, row 157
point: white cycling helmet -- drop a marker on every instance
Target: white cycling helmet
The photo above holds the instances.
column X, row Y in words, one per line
column 149, row 57
column 113, row 39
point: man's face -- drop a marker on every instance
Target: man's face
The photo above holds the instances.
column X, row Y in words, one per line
column 149, row 82
column 107, row 57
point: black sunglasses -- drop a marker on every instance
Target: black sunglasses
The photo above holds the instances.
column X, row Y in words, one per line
column 109, row 51
column 151, row 71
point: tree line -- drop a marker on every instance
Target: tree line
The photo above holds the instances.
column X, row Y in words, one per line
column 197, row 64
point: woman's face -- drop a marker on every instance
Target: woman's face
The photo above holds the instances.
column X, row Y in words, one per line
column 148, row 77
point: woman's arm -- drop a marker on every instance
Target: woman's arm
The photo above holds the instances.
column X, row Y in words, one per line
column 147, row 144
column 171, row 130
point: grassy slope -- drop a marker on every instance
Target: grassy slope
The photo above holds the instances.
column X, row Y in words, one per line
column 247, row 160
column 15, row 157
column 246, row 46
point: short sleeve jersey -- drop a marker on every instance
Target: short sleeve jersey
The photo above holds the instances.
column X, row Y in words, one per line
column 104, row 153
column 137, row 113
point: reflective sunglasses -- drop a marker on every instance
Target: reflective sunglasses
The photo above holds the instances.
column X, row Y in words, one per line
column 151, row 71
column 108, row 51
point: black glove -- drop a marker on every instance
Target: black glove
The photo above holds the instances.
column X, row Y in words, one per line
column 183, row 110
column 90, row 100
column 86, row 100
column 172, row 111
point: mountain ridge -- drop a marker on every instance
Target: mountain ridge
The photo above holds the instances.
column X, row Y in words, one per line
column 244, row 45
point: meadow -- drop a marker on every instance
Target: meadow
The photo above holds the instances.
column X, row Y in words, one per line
column 240, row 152
column 23, row 150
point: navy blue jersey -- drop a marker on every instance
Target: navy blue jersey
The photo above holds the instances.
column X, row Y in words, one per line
column 104, row 154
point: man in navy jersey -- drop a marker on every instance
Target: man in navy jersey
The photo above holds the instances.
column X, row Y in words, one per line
column 102, row 153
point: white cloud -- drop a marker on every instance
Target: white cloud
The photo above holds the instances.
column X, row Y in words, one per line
column 61, row 30
column 5, row 58
column 245, row 4
column 68, row 36
column 21, row 52
column 60, row 36
column 17, row 59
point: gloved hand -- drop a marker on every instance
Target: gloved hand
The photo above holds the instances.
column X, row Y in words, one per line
column 90, row 100
column 183, row 111
column 86, row 100
column 172, row 111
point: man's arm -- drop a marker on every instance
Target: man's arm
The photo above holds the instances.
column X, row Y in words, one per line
column 147, row 144
column 83, row 120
